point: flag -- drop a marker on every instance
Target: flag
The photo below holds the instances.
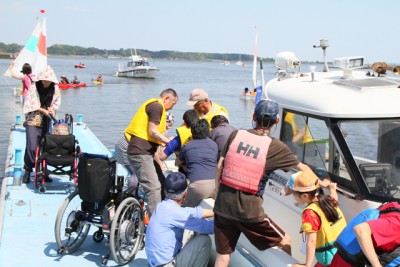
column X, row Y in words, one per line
column 27, row 54
column 41, row 52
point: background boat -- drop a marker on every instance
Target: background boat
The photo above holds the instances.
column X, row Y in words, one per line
column 137, row 67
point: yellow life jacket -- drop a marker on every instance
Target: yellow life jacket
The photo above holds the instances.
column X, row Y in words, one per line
column 215, row 110
column 140, row 123
column 185, row 134
column 327, row 234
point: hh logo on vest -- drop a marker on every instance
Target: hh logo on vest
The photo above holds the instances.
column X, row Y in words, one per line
column 248, row 150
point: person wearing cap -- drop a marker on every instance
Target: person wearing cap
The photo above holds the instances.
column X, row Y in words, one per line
column 43, row 98
column 204, row 106
column 322, row 219
column 164, row 234
column 183, row 135
column 247, row 159
column 200, row 155
column 145, row 133
column 26, row 76
column 221, row 130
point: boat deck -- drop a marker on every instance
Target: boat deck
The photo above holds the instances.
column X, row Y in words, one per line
column 27, row 217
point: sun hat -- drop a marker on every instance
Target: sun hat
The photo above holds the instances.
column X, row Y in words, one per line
column 197, row 95
column 175, row 183
column 302, row 181
column 47, row 74
column 26, row 69
column 267, row 108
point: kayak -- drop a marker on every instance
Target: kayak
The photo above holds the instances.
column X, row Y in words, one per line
column 97, row 82
column 80, row 66
column 64, row 86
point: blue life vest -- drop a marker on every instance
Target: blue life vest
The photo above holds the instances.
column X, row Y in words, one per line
column 347, row 243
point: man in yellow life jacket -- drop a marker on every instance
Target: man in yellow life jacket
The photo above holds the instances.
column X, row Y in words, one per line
column 145, row 133
column 204, row 106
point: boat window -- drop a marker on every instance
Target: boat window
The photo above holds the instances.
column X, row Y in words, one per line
column 310, row 139
column 375, row 146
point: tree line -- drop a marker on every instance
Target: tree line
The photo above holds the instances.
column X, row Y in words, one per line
column 70, row 50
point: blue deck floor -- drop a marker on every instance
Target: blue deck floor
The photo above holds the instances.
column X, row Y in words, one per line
column 27, row 217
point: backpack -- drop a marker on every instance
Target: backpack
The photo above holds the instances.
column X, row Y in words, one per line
column 347, row 243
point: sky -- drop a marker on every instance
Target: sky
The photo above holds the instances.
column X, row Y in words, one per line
column 352, row 27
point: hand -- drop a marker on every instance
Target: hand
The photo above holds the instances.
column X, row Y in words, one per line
column 51, row 110
column 324, row 183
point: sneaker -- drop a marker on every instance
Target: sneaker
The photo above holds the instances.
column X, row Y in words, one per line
column 26, row 179
column 48, row 179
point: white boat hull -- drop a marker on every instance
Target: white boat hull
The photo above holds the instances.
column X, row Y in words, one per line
column 138, row 73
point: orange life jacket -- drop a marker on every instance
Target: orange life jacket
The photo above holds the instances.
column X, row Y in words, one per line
column 245, row 161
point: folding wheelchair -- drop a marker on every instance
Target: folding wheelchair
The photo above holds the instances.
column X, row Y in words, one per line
column 100, row 200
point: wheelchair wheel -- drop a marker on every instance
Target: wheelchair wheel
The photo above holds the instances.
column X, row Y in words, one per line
column 70, row 228
column 127, row 231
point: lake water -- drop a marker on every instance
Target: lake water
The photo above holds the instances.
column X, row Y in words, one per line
column 108, row 109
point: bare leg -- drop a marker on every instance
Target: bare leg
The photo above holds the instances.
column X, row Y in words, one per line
column 222, row 260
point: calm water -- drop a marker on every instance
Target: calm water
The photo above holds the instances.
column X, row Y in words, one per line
column 108, row 109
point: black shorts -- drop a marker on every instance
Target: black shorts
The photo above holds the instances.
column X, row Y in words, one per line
column 261, row 234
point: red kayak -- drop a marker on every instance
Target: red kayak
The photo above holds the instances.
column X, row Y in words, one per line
column 65, row 86
column 80, row 66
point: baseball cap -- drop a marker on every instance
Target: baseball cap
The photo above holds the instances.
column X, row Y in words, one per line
column 175, row 183
column 197, row 95
column 302, row 181
column 267, row 108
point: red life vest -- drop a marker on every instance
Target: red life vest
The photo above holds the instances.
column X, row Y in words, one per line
column 245, row 161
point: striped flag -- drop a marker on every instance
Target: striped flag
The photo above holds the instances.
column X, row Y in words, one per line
column 27, row 54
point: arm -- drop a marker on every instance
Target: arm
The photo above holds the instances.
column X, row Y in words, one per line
column 364, row 238
column 18, row 76
column 153, row 131
column 207, row 213
column 218, row 174
column 302, row 167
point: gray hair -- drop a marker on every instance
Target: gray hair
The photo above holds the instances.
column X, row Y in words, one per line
column 174, row 196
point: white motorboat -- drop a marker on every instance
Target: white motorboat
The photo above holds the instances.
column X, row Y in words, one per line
column 137, row 67
column 350, row 123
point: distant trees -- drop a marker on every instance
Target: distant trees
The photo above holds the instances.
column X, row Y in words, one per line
column 69, row 50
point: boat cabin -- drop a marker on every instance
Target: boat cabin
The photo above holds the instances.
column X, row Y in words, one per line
column 345, row 125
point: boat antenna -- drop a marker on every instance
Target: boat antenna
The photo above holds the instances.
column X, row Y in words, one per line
column 323, row 44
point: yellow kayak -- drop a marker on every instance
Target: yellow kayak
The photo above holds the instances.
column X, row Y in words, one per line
column 97, row 82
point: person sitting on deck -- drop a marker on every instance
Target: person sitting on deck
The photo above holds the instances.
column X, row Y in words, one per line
column 200, row 156
column 164, row 234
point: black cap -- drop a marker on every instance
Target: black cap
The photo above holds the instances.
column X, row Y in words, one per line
column 175, row 183
column 267, row 109
column 26, row 69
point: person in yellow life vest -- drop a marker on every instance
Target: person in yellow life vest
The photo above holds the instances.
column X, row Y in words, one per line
column 322, row 219
column 183, row 135
column 145, row 133
column 204, row 106
column 246, row 161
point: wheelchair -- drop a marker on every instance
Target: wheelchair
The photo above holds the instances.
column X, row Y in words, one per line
column 101, row 201
column 56, row 154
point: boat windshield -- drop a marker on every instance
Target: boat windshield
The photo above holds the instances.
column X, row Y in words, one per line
column 362, row 156
column 375, row 147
